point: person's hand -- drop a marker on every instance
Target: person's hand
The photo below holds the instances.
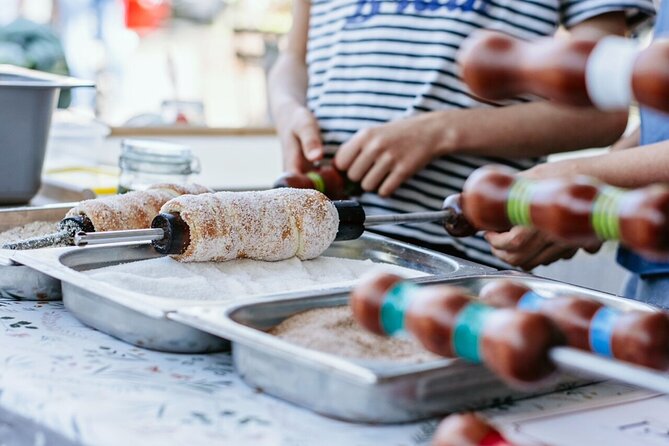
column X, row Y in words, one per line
column 565, row 168
column 301, row 143
column 383, row 157
column 528, row 248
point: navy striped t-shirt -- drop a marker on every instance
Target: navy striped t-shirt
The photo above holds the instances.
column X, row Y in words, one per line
column 374, row 61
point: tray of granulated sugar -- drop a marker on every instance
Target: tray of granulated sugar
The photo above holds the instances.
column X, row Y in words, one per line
column 20, row 282
column 311, row 352
column 130, row 291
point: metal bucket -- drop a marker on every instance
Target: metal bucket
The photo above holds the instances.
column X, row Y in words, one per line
column 27, row 101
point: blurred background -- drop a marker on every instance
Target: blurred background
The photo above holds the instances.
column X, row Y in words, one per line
column 155, row 62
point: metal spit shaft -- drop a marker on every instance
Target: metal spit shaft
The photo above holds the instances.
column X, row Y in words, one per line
column 131, row 235
column 571, row 359
column 149, row 235
column 412, row 217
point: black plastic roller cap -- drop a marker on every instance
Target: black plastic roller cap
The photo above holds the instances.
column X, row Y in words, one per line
column 351, row 220
column 177, row 234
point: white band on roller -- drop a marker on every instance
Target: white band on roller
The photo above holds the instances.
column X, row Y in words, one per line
column 608, row 73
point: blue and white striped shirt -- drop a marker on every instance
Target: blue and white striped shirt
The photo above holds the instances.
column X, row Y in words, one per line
column 374, row 61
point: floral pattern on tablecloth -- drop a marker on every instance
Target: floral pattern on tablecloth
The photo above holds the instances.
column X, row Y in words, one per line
column 97, row 390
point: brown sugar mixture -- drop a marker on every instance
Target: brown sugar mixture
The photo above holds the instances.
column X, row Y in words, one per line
column 333, row 330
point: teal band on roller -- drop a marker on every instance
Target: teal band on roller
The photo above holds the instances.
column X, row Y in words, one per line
column 468, row 331
column 601, row 331
column 531, row 301
column 394, row 307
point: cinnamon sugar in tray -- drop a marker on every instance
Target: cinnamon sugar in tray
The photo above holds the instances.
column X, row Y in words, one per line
column 333, row 330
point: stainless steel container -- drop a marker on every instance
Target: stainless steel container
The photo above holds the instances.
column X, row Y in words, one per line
column 21, row 282
column 147, row 321
column 27, row 101
column 365, row 391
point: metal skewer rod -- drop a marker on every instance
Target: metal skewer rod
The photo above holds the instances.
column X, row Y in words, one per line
column 133, row 235
column 579, row 361
column 149, row 235
column 419, row 217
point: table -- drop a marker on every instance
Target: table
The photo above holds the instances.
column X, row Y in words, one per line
column 63, row 383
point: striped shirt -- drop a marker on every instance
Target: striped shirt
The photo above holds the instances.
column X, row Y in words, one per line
column 374, row 61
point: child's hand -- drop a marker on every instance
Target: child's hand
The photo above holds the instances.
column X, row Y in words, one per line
column 528, row 248
column 300, row 139
column 385, row 156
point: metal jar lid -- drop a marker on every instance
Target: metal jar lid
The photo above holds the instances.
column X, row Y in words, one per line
column 150, row 156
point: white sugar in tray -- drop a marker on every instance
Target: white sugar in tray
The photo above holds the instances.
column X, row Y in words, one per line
column 167, row 278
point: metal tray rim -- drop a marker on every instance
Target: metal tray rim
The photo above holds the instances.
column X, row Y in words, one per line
column 237, row 332
column 48, row 261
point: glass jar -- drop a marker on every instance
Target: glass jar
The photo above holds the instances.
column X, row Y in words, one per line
column 146, row 162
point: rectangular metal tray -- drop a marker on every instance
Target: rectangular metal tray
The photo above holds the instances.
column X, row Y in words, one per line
column 20, row 282
column 365, row 391
column 144, row 320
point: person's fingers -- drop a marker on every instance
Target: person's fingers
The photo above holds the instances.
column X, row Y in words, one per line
column 550, row 254
column 362, row 164
column 396, row 177
column 349, row 151
column 592, row 248
column 293, row 159
column 522, row 257
column 518, row 246
column 367, row 155
column 377, row 173
column 309, row 136
column 516, row 239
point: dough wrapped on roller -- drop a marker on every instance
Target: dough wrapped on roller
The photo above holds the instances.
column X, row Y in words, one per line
column 270, row 225
column 134, row 210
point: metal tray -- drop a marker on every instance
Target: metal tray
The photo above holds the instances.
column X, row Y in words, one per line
column 365, row 391
column 20, row 282
column 145, row 320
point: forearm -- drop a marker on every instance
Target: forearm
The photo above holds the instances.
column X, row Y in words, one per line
column 636, row 167
column 287, row 84
column 539, row 128
column 527, row 130
column 288, row 78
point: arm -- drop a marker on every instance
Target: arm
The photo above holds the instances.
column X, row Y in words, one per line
column 636, row 167
column 296, row 126
column 539, row 127
column 384, row 157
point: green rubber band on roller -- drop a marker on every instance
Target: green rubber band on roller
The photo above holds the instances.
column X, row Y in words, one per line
column 468, row 331
column 394, row 307
column 318, row 181
column 518, row 203
column 605, row 221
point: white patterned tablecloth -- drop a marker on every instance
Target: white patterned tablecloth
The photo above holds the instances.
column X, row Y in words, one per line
column 86, row 387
